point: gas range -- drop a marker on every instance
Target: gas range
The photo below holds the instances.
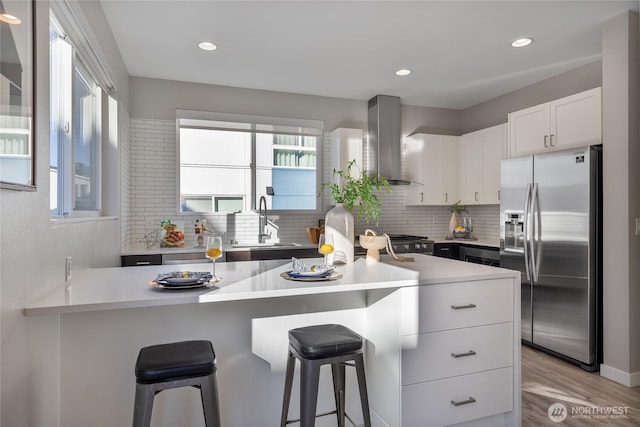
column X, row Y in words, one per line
column 404, row 243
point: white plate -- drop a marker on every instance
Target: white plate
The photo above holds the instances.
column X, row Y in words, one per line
column 310, row 273
column 181, row 280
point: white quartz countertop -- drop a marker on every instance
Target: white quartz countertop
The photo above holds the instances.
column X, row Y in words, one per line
column 127, row 287
column 434, row 270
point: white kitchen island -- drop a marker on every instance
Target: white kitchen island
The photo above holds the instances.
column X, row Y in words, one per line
column 107, row 315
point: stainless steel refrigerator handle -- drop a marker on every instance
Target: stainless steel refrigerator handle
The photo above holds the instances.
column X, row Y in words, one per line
column 534, row 212
column 527, row 199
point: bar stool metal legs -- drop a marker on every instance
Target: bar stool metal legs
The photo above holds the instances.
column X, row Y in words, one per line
column 345, row 351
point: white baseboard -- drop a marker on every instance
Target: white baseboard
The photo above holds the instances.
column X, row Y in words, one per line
column 625, row 378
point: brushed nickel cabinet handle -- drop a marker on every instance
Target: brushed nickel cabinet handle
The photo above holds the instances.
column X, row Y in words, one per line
column 468, row 353
column 551, row 140
column 446, row 197
column 545, row 141
column 422, row 197
column 462, row 307
column 463, row 402
column 476, row 196
column 498, row 194
column 143, row 262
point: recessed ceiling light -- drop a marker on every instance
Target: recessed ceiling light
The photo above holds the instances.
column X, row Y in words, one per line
column 207, row 46
column 9, row 19
column 522, row 42
column 403, row 72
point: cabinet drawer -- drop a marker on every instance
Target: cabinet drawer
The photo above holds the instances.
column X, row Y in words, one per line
column 477, row 395
column 133, row 260
column 438, row 355
column 460, row 305
column 447, row 250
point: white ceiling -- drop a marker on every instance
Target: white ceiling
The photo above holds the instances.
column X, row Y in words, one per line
column 459, row 51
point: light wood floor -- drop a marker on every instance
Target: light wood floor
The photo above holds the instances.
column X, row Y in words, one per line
column 547, row 380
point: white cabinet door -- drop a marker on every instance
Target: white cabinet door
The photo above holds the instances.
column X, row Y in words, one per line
column 457, row 399
column 529, row 130
column 491, row 158
column 431, row 164
column 572, row 121
column 452, row 172
column 346, row 145
column 480, row 156
column 471, row 165
column 576, row 121
column 437, row 355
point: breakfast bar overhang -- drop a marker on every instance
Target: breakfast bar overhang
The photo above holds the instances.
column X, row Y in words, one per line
column 405, row 311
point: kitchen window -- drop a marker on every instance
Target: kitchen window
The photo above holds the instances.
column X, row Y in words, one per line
column 228, row 161
column 76, row 122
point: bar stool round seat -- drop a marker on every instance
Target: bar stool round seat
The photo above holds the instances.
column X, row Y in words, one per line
column 179, row 364
column 318, row 345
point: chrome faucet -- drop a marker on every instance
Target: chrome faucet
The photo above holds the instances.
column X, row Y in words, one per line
column 262, row 220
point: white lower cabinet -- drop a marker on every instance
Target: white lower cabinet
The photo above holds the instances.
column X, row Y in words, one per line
column 457, row 399
column 437, row 355
column 465, row 304
column 459, row 366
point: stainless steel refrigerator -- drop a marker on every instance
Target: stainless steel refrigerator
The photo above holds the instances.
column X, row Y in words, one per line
column 551, row 231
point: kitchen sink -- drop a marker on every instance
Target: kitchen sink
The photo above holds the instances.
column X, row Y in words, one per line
column 251, row 245
column 261, row 251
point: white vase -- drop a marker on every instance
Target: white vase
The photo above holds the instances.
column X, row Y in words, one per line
column 339, row 223
column 453, row 223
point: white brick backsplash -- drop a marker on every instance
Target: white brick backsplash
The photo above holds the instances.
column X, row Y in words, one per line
column 126, row 178
column 149, row 194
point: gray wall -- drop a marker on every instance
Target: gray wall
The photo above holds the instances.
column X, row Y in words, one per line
column 621, row 136
column 33, row 252
column 159, row 99
column 494, row 111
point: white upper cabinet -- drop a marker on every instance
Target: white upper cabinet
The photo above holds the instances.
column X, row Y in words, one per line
column 576, row 120
column 573, row 121
column 346, row 145
column 431, row 164
column 480, row 154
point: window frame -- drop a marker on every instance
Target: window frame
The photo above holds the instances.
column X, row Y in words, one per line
column 254, row 120
column 82, row 66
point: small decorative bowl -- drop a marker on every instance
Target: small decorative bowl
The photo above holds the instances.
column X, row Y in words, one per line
column 373, row 244
column 460, row 234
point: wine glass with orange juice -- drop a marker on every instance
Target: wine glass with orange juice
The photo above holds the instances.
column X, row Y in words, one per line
column 325, row 246
column 213, row 252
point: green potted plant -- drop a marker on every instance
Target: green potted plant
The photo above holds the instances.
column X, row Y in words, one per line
column 455, row 209
column 364, row 191
column 351, row 190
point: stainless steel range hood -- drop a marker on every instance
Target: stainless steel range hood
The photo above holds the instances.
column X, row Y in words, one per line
column 384, row 138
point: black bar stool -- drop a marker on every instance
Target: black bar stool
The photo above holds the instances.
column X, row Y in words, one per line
column 180, row 364
column 321, row 345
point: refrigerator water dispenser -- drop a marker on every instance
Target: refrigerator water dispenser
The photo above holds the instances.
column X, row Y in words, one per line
column 514, row 232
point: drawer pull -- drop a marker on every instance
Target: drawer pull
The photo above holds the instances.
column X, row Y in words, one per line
column 463, row 402
column 143, row 263
column 468, row 353
column 462, row 307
